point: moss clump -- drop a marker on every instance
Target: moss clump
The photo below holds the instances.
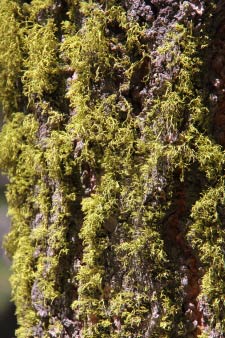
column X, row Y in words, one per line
column 41, row 64
column 20, row 160
column 11, row 55
column 207, row 235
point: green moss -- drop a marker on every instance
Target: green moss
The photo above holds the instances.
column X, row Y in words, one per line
column 130, row 159
column 41, row 63
column 10, row 55
column 135, row 172
column 18, row 160
column 207, row 235
column 37, row 7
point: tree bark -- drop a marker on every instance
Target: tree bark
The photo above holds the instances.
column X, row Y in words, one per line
column 113, row 143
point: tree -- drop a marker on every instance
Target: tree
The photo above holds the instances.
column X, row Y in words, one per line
column 113, row 143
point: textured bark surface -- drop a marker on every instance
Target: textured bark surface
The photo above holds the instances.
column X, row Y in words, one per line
column 113, row 143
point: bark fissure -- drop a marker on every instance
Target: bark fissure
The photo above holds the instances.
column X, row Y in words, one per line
column 187, row 261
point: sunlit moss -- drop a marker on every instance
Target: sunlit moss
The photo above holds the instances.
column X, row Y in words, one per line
column 10, row 55
column 132, row 160
column 41, row 63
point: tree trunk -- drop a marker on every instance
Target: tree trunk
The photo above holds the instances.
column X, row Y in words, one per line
column 113, row 143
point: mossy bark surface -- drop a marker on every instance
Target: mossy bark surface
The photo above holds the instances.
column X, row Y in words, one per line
column 113, row 143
